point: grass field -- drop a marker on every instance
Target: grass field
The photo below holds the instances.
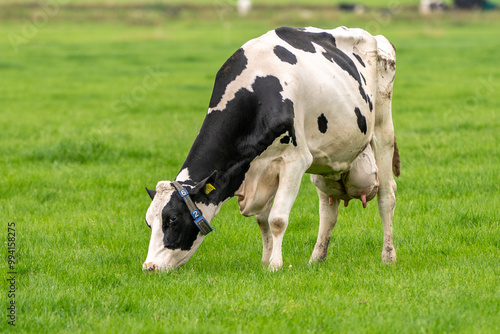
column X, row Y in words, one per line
column 81, row 135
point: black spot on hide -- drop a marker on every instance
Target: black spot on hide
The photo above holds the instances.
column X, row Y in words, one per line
column 233, row 67
column 230, row 139
column 285, row 55
column 362, row 77
column 303, row 40
column 361, row 120
column 285, row 140
column 359, row 59
column 322, row 123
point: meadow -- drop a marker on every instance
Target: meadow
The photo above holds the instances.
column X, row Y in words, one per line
column 81, row 135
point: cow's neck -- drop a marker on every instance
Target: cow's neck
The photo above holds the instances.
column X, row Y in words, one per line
column 230, row 175
column 216, row 150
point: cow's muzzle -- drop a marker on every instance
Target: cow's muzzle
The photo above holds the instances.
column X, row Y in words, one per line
column 150, row 267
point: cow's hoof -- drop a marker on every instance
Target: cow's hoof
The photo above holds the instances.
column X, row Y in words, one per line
column 317, row 258
column 388, row 255
column 275, row 266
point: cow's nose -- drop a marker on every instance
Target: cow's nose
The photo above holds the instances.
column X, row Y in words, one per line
column 150, row 267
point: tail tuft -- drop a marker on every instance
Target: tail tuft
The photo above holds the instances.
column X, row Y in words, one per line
column 396, row 161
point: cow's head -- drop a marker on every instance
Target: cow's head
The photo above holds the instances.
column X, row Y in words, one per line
column 174, row 234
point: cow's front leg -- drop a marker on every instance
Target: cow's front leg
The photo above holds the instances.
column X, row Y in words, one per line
column 289, row 184
column 327, row 218
column 267, row 237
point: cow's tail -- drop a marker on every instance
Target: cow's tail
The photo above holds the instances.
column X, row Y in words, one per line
column 396, row 161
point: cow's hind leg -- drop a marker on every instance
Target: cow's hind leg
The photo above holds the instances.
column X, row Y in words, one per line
column 267, row 237
column 386, row 196
column 383, row 143
column 327, row 218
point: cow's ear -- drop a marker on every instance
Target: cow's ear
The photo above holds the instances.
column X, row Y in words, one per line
column 206, row 186
column 151, row 193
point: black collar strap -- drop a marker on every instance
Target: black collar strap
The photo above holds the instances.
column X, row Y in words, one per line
column 199, row 220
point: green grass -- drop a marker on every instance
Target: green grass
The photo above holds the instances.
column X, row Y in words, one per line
column 74, row 163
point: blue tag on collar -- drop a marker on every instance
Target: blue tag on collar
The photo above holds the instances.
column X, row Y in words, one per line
column 195, row 214
column 198, row 218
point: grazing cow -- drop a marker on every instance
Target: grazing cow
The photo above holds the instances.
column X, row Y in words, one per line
column 290, row 102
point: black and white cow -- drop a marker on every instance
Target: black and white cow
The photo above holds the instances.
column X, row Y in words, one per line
column 290, row 102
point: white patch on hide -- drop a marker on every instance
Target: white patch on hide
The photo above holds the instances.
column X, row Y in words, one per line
column 183, row 175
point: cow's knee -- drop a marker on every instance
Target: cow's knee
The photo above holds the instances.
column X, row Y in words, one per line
column 278, row 226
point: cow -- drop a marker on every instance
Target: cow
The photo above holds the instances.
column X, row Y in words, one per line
column 290, row 102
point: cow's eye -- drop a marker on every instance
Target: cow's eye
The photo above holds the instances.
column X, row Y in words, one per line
column 172, row 220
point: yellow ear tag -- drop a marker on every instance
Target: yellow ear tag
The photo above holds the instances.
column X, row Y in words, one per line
column 209, row 188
